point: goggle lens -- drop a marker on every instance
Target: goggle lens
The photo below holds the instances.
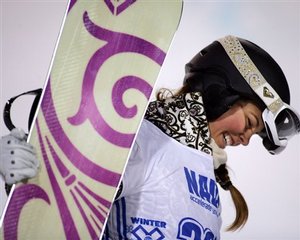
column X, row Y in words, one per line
column 287, row 124
column 279, row 128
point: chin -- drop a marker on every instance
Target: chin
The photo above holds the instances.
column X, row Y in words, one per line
column 220, row 144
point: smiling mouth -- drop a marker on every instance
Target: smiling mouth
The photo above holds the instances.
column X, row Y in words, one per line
column 227, row 139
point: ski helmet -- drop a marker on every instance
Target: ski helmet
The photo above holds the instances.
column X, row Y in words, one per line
column 233, row 68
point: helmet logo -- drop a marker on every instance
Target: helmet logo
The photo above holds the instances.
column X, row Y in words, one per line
column 267, row 93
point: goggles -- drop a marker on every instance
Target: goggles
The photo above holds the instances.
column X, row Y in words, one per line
column 280, row 120
column 279, row 128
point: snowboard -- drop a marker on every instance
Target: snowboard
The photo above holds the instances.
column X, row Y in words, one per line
column 106, row 62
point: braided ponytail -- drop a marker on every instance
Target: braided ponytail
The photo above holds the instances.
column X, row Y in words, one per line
column 240, row 204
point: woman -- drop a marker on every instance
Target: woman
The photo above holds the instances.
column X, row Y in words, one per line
column 169, row 189
column 232, row 90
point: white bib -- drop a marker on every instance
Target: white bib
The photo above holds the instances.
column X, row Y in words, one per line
column 169, row 192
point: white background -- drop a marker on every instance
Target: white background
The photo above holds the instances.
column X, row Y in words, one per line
column 270, row 184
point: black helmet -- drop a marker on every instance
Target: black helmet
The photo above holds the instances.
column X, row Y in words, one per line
column 233, row 68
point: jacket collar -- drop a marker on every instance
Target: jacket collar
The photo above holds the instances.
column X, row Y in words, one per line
column 183, row 118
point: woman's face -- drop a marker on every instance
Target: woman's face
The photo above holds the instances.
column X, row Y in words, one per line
column 237, row 125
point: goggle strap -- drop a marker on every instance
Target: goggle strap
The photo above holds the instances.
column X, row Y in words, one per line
column 250, row 73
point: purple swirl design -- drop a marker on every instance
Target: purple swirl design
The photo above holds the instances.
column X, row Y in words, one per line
column 65, row 214
column 116, row 43
column 121, row 87
column 25, row 193
column 21, row 195
column 92, row 207
column 80, row 161
column 78, row 190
